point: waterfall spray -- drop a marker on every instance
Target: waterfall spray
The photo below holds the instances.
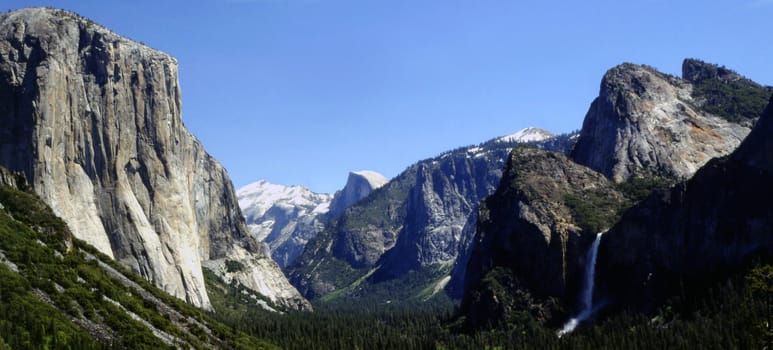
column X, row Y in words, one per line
column 586, row 300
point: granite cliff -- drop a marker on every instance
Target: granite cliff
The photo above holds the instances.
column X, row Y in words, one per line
column 700, row 230
column 93, row 121
column 359, row 185
column 646, row 123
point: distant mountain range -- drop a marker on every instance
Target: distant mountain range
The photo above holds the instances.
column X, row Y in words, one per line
column 422, row 220
column 286, row 217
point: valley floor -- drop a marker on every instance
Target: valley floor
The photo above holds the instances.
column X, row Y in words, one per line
column 731, row 315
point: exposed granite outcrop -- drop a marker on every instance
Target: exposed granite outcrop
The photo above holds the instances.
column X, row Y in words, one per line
column 648, row 123
column 358, row 186
column 93, row 121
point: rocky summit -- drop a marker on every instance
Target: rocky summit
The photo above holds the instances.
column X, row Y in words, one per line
column 530, row 134
column 93, row 122
column 284, row 217
column 648, row 123
column 358, row 186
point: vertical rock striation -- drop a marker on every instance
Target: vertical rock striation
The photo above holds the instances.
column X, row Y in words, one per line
column 93, row 121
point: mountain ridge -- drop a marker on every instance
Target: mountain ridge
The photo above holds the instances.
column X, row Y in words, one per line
column 419, row 221
column 286, row 217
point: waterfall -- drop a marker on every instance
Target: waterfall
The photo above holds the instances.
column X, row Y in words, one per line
column 586, row 298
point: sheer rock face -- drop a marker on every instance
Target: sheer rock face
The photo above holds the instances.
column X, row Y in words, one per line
column 715, row 223
column 527, row 231
column 93, row 121
column 647, row 123
column 358, row 186
column 443, row 205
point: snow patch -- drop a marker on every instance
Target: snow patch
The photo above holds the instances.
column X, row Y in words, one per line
column 258, row 197
column 530, row 134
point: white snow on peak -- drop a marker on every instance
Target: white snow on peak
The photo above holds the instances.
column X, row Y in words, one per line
column 375, row 179
column 527, row 135
column 256, row 198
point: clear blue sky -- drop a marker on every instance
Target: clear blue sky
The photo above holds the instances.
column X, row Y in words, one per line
column 303, row 91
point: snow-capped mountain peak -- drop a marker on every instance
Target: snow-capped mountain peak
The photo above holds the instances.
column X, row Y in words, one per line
column 286, row 217
column 530, row 134
column 258, row 197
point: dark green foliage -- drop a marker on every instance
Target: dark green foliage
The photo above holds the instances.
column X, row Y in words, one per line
column 726, row 316
column 342, row 326
column 595, row 212
column 734, row 100
column 232, row 298
column 592, row 210
column 725, row 319
column 233, row 266
column 637, row 188
column 760, row 282
column 414, row 286
column 506, row 301
column 27, row 322
column 28, row 209
column 60, row 280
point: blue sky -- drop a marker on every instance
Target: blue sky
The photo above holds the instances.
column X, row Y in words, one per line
column 303, row 91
